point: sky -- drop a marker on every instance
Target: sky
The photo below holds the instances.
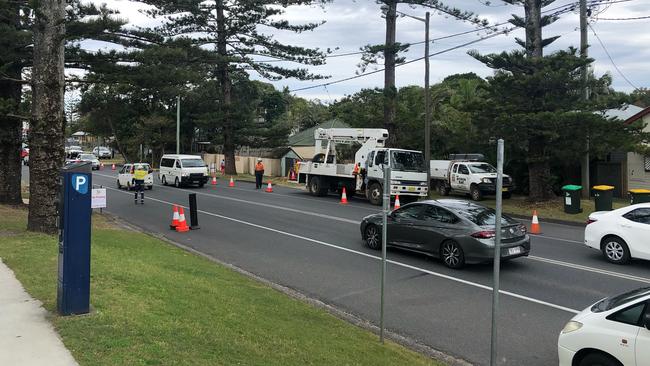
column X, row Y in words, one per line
column 351, row 24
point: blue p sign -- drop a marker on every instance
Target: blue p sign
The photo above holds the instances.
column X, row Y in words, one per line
column 80, row 183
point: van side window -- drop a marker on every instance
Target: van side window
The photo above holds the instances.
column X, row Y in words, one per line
column 167, row 163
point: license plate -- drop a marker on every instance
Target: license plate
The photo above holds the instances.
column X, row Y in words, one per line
column 504, row 189
column 411, row 189
column 514, row 251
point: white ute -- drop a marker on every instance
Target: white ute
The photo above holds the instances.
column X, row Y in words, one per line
column 324, row 174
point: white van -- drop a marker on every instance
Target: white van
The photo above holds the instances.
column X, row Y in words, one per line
column 183, row 169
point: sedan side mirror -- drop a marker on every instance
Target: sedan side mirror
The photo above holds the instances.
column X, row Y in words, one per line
column 646, row 319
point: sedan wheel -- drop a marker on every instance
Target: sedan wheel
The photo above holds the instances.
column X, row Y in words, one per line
column 373, row 237
column 452, row 255
column 615, row 250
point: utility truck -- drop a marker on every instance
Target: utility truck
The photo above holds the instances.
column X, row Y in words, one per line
column 467, row 174
column 329, row 172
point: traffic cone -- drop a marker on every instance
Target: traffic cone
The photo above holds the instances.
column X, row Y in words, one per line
column 534, row 226
column 175, row 218
column 269, row 187
column 344, row 197
column 214, row 180
column 397, row 205
column 182, row 224
column 232, row 183
column 113, row 167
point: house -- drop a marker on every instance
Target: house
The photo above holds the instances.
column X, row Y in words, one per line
column 303, row 143
column 624, row 170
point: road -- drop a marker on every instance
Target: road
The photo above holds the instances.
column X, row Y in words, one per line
column 313, row 245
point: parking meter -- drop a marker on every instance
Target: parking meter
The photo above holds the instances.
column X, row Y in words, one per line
column 73, row 292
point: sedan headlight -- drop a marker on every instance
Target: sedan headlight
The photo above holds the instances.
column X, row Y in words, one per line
column 571, row 326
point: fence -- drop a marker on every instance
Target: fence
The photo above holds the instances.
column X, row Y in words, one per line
column 246, row 164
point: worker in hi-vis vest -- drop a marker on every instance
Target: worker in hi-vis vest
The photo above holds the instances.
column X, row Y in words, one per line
column 138, row 178
column 259, row 173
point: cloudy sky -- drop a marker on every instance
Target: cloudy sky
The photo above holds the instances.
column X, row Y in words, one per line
column 351, row 24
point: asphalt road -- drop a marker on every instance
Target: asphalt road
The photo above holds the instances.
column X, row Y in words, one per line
column 313, row 245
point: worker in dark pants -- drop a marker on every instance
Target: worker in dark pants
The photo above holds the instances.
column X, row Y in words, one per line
column 138, row 178
column 259, row 173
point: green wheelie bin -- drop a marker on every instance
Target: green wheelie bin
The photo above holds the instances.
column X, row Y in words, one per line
column 572, row 198
column 639, row 196
column 603, row 196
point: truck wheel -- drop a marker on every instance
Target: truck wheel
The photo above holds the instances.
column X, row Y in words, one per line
column 442, row 189
column 164, row 180
column 316, row 187
column 375, row 194
column 475, row 192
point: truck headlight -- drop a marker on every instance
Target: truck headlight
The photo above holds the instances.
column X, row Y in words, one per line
column 486, row 180
column 571, row 326
column 395, row 182
column 185, row 174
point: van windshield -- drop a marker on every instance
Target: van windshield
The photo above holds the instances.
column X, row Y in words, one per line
column 192, row 163
column 407, row 161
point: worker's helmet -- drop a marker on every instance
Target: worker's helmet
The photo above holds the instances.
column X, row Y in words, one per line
column 259, row 159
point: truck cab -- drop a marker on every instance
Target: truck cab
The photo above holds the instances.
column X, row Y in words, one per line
column 475, row 178
column 408, row 174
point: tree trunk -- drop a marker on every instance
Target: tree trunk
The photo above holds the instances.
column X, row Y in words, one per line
column 539, row 171
column 226, row 91
column 47, row 124
column 10, row 141
column 533, row 14
column 390, row 92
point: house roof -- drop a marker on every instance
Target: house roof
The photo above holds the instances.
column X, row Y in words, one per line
column 640, row 114
column 80, row 133
column 624, row 113
column 306, row 137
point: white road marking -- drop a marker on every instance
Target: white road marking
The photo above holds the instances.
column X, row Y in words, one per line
column 590, row 269
column 400, row 264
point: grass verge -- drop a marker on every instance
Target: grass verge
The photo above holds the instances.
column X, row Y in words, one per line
column 155, row 304
column 553, row 209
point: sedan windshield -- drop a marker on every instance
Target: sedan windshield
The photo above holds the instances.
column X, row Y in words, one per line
column 484, row 216
column 407, row 161
column 192, row 163
column 616, row 301
column 482, row 168
column 87, row 157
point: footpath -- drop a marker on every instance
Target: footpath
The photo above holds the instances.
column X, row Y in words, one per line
column 26, row 336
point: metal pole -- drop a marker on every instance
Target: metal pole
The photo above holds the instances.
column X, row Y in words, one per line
column 427, row 102
column 178, row 124
column 497, row 253
column 585, row 94
column 384, row 235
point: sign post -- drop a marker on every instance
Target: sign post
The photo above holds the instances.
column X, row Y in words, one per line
column 384, row 235
column 73, row 291
column 497, row 254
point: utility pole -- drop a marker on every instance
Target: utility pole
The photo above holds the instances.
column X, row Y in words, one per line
column 390, row 92
column 427, row 102
column 585, row 95
column 497, row 256
column 178, row 124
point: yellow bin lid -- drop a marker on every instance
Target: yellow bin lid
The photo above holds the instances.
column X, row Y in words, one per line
column 639, row 190
column 603, row 188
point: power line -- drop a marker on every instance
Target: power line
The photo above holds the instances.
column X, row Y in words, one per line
column 634, row 18
column 403, row 63
column 610, row 58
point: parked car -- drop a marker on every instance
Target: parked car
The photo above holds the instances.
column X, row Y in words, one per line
column 125, row 176
column 102, row 152
column 73, row 151
column 90, row 158
column 455, row 231
column 183, row 169
column 613, row 332
column 621, row 234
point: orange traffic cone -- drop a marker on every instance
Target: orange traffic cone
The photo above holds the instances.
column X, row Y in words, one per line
column 344, row 197
column 232, row 183
column 397, row 205
column 175, row 218
column 269, row 187
column 113, row 167
column 214, row 180
column 182, row 224
column 534, row 226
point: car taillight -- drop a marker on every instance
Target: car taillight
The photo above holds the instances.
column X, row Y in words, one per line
column 487, row 234
column 590, row 220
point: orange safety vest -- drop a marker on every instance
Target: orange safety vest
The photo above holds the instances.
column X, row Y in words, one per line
column 356, row 169
column 259, row 167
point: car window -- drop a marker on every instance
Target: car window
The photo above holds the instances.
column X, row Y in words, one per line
column 408, row 212
column 612, row 302
column 462, row 169
column 371, row 159
column 483, row 216
column 176, row 164
column 381, row 157
column 192, row 163
column 630, row 315
column 438, row 214
column 482, row 168
column 640, row 215
column 455, row 168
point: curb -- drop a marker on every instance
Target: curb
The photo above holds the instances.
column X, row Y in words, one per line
column 355, row 320
column 552, row 221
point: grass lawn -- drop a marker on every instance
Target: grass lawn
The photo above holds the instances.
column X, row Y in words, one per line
column 518, row 205
column 155, row 304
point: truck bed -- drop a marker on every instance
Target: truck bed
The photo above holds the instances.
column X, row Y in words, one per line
column 439, row 169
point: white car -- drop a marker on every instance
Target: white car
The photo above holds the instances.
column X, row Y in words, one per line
column 125, row 176
column 89, row 158
column 613, row 332
column 102, row 152
column 182, row 170
column 621, row 234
